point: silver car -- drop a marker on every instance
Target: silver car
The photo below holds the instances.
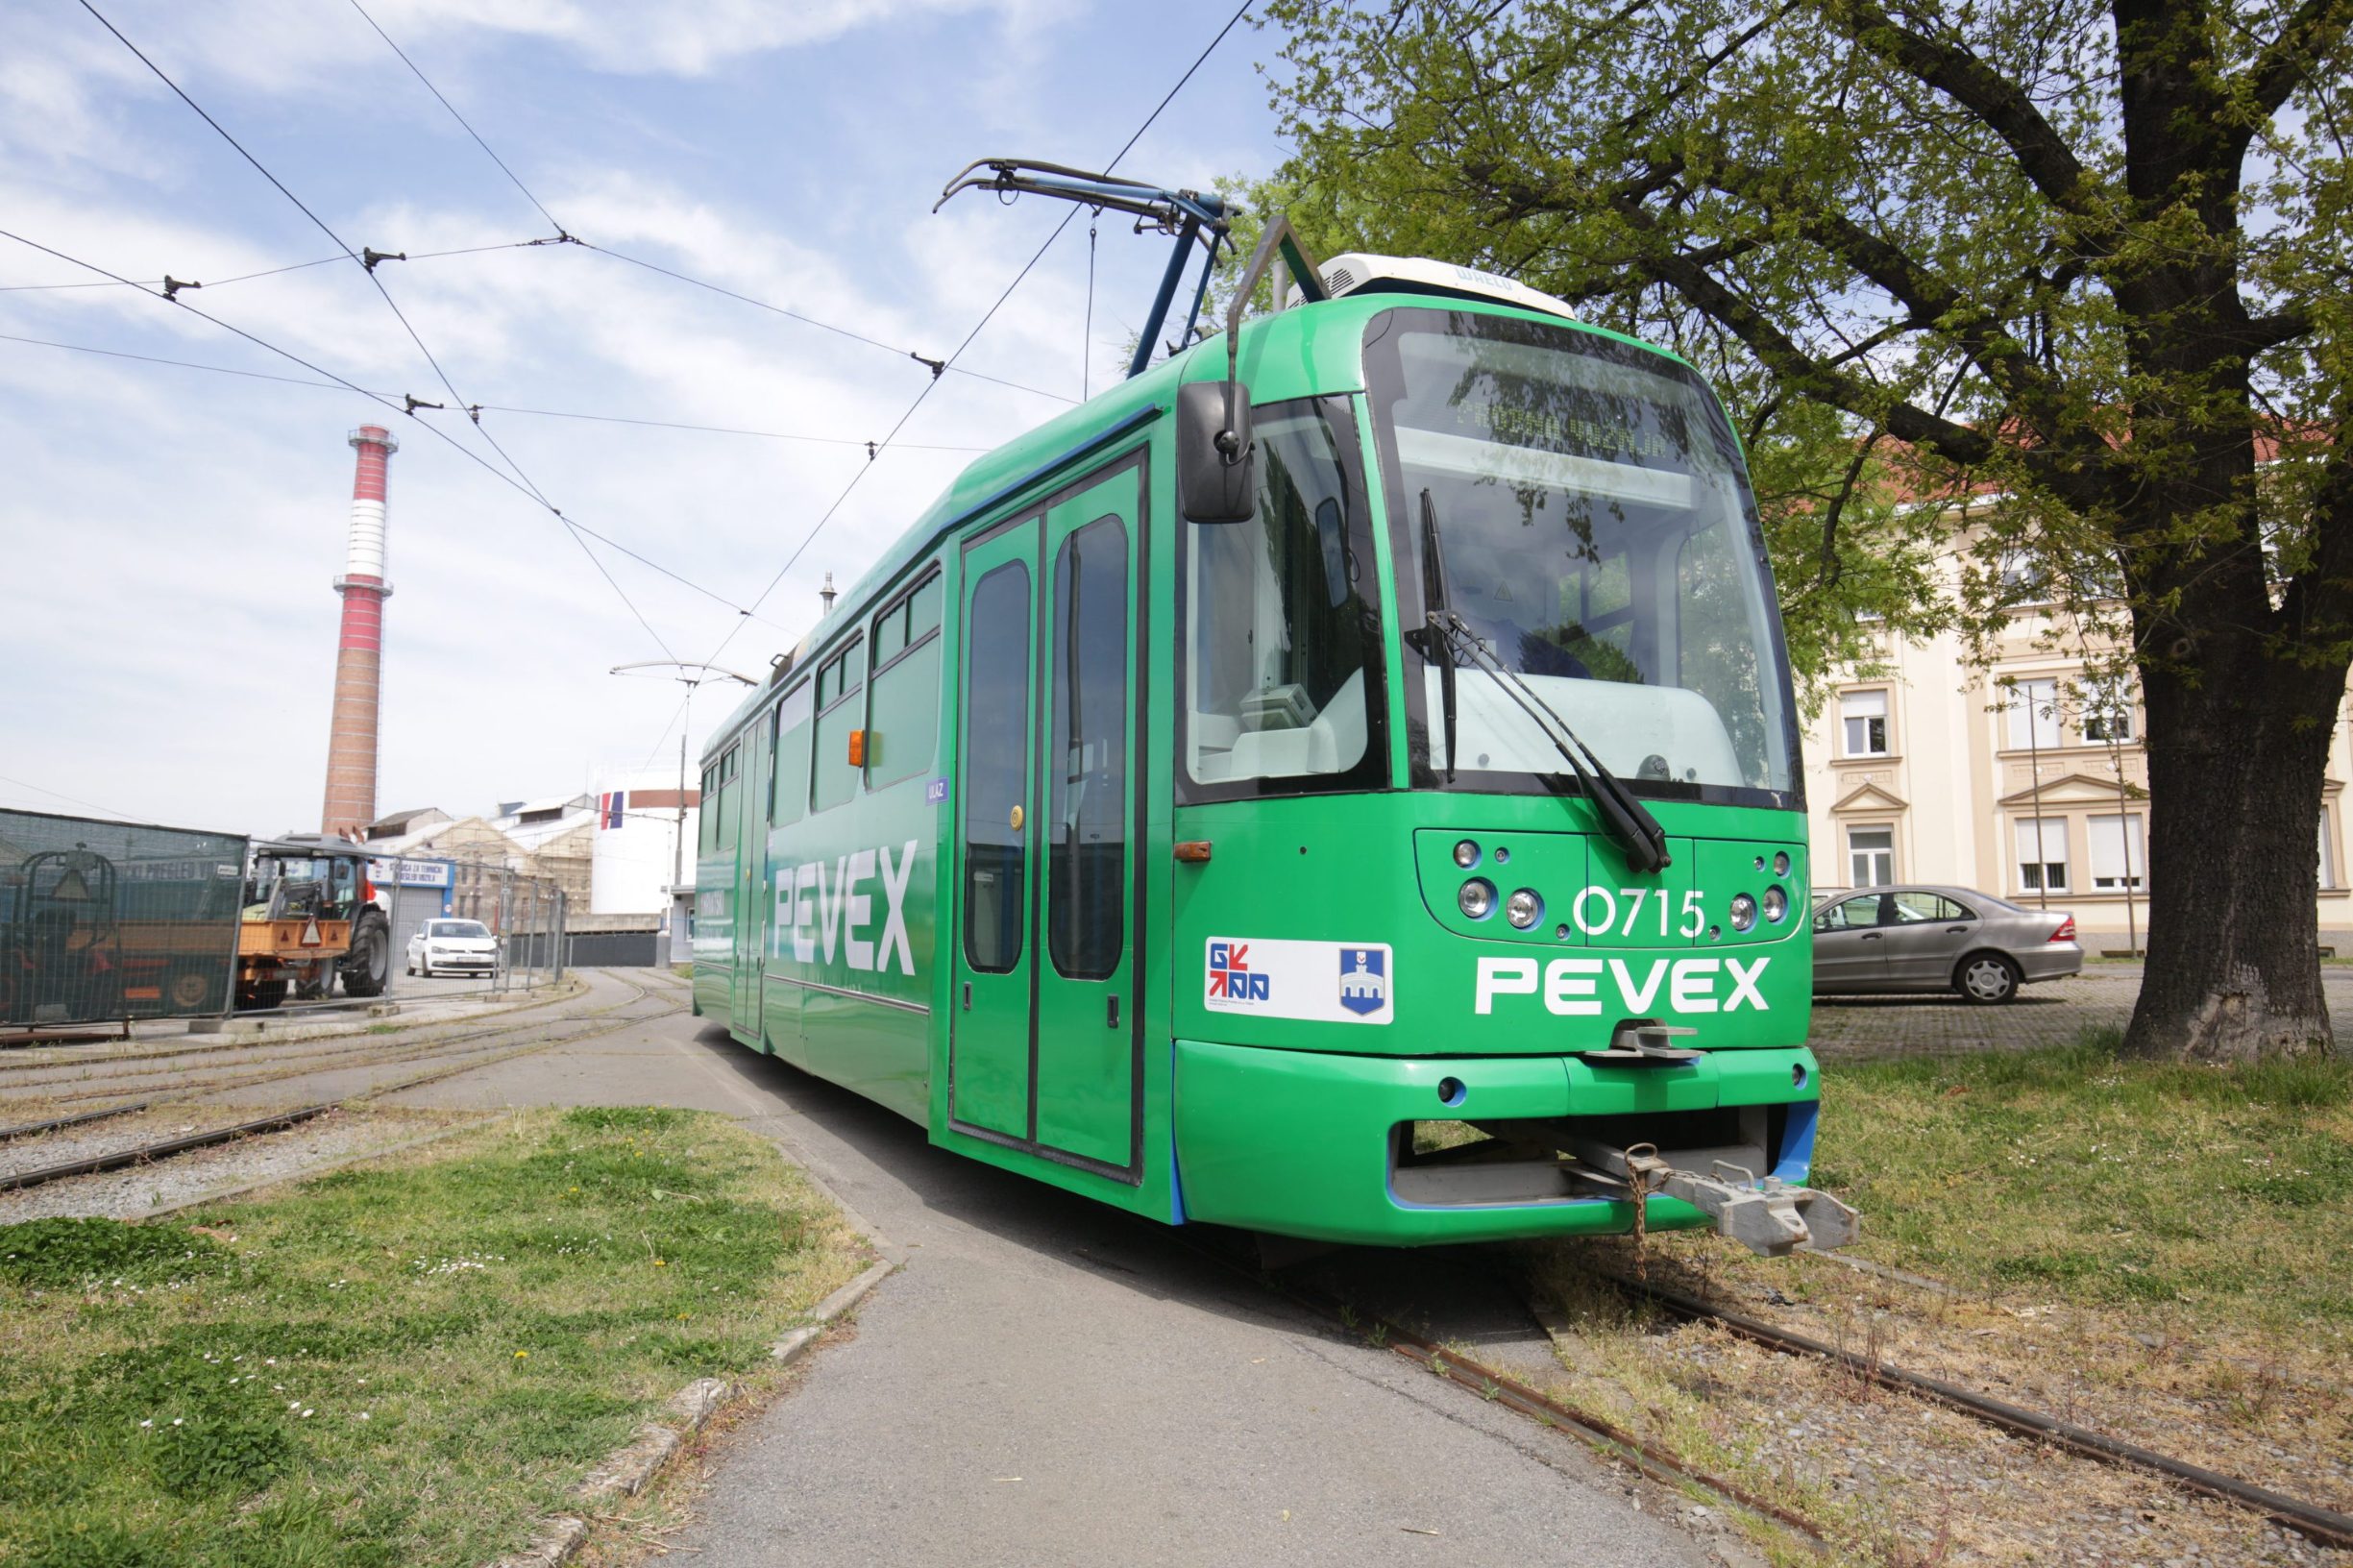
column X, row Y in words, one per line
column 1938, row 938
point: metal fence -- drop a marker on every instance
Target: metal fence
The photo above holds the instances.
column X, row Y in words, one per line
column 102, row 921
column 525, row 912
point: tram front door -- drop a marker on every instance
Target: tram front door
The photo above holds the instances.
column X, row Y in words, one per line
column 1043, row 1043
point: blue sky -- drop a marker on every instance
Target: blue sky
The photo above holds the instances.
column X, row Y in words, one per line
column 168, row 536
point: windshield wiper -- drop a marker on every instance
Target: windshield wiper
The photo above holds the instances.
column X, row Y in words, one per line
column 1628, row 819
column 1433, row 638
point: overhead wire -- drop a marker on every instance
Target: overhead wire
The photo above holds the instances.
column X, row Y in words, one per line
column 487, row 407
column 947, row 364
column 294, row 266
column 368, row 265
column 988, row 315
column 511, row 174
column 572, row 524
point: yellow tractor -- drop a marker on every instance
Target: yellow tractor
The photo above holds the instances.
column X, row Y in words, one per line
column 309, row 916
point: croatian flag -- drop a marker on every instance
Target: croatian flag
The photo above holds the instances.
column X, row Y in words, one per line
column 613, row 801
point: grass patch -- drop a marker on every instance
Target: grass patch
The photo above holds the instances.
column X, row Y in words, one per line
column 2222, row 1194
column 404, row 1363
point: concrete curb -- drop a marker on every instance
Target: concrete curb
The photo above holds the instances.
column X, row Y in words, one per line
column 629, row 1469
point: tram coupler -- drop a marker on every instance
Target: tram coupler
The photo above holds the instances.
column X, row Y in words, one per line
column 1765, row 1214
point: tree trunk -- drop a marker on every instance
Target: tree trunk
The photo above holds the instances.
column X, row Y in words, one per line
column 2236, row 758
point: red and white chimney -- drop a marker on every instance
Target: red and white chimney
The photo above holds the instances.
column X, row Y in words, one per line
column 351, row 740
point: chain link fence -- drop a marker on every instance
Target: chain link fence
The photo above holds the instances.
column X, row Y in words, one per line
column 107, row 922
column 102, row 921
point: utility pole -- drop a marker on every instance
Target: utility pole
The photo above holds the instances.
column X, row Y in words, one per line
column 680, row 894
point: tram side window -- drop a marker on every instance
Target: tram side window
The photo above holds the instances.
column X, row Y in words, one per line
column 707, row 811
column 1281, row 638
column 996, row 767
column 788, row 785
column 838, row 681
column 725, row 810
column 903, row 733
column 1087, row 826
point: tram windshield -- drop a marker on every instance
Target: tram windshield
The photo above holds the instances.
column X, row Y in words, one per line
column 1597, row 535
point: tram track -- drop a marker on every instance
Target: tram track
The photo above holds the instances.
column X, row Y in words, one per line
column 2320, row 1524
column 152, row 1152
column 291, row 1059
column 2325, row 1527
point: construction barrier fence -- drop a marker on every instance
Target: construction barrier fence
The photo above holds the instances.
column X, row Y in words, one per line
column 102, row 921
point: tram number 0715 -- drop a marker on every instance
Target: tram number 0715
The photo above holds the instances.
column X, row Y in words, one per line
column 1631, row 900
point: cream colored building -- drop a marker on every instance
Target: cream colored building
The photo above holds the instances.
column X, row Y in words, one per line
column 2025, row 779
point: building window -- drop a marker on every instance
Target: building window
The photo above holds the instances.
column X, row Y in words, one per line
column 2034, row 715
column 2107, row 712
column 2328, row 853
column 1870, row 856
column 1864, row 715
column 2042, row 854
column 2119, row 853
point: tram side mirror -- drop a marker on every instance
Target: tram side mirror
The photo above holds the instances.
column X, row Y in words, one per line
column 1215, row 477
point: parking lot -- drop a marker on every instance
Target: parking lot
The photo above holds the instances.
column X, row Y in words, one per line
column 1855, row 1028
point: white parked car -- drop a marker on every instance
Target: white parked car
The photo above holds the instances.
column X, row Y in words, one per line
column 452, row 948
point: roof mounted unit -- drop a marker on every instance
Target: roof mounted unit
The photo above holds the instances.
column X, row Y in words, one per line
column 1361, row 273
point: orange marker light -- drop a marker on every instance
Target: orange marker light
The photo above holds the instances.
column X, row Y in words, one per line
column 857, row 748
column 1192, row 851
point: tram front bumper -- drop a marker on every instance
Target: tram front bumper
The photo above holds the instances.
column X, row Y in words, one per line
column 1319, row 1145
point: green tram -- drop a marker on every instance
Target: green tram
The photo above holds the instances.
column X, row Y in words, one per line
column 1339, row 783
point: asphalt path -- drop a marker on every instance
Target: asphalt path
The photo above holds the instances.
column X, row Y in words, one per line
column 1050, row 1382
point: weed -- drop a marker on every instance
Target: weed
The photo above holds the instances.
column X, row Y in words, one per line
column 103, row 1252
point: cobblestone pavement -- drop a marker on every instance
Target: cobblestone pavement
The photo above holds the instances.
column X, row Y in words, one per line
column 2054, row 1013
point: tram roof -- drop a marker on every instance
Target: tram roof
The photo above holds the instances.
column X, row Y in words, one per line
column 1307, row 350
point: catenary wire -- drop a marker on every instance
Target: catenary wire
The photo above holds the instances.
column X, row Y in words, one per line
column 59, row 795
column 1125, row 148
column 576, row 527
column 487, row 407
column 321, row 224
column 459, row 118
column 947, row 365
column 523, row 479
column 564, row 234
column 292, row 266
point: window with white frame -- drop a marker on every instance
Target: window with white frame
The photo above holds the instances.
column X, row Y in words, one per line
column 1863, row 715
column 2034, row 715
column 2328, row 853
column 2042, row 854
column 1870, row 856
column 2120, row 852
column 2107, row 711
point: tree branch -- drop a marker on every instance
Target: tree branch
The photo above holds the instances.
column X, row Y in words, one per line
column 2285, row 64
column 1997, row 102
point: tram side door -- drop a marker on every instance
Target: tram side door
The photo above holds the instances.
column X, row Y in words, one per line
column 1044, row 1042
column 989, row 1027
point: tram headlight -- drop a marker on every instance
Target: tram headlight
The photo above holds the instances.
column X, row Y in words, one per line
column 1743, row 911
column 1466, row 854
column 1524, row 908
column 1777, row 906
column 1476, row 899
column 1781, row 863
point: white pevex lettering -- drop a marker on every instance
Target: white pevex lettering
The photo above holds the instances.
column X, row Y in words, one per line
column 1568, row 986
column 1693, row 989
column 856, row 906
column 1503, row 977
column 828, row 908
column 805, row 878
column 1639, row 1001
column 893, row 937
column 1744, row 983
